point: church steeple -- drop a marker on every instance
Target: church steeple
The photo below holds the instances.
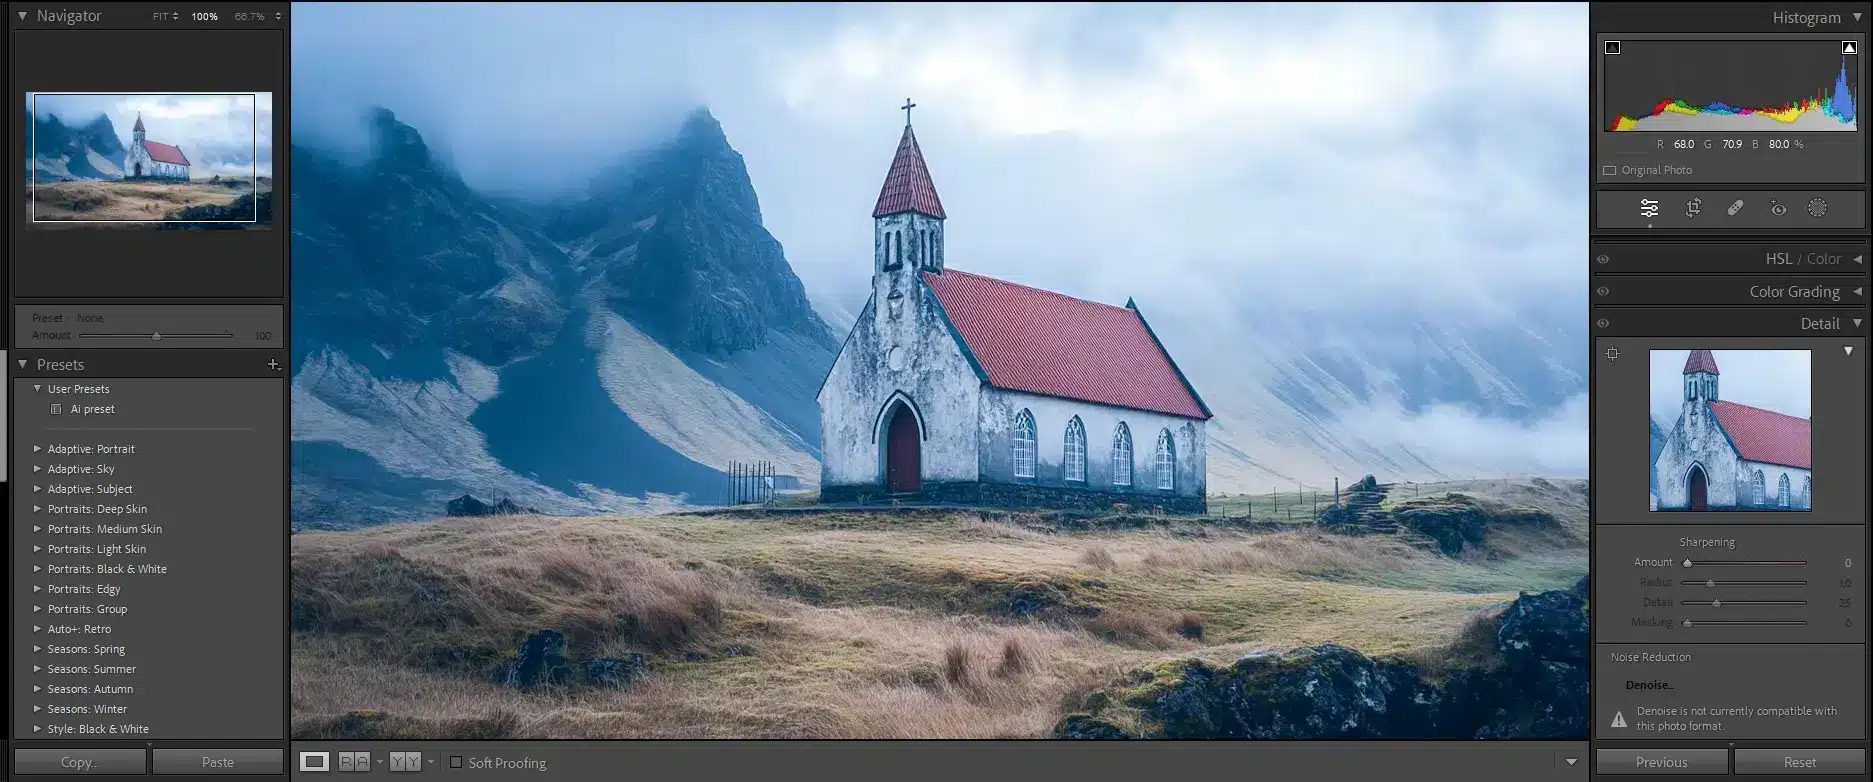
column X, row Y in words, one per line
column 908, row 219
column 1700, row 376
column 136, row 131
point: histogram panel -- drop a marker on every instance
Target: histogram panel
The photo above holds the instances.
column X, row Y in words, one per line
column 1732, row 86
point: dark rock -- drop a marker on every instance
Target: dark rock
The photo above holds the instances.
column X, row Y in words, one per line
column 1582, row 588
column 1081, row 727
column 1537, row 689
column 467, row 506
column 248, row 207
column 615, row 672
column 540, row 662
column 1544, row 627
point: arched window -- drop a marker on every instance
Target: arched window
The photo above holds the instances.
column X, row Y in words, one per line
column 1781, row 491
column 1073, row 455
column 1024, row 445
column 1690, row 389
column 1122, row 455
column 1167, row 461
column 1807, row 492
column 897, row 247
column 1758, row 496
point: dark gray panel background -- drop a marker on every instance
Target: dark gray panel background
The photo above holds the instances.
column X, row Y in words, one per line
column 1782, row 290
column 1622, row 444
column 209, row 657
column 1618, row 595
column 1735, row 257
column 243, row 323
column 1735, row 675
column 1829, row 156
column 1708, row 322
column 949, row 761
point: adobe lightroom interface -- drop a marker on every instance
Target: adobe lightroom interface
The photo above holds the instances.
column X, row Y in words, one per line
column 589, row 391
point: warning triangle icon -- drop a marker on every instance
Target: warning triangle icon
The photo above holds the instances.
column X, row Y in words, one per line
column 1619, row 719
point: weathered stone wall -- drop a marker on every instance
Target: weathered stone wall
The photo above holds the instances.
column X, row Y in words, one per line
column 1698, row 441
column 999, row 409
column 1012, row 495
column 904, row 348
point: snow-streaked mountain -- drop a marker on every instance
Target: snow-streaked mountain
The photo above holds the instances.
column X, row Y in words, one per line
column 445, row 343
column 59, row 151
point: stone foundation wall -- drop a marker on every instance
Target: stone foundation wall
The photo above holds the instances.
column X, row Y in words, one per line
column 1016, row 495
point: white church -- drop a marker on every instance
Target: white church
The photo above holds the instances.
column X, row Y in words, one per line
column 958, row 388
column 153, row 159
column 1722, row 455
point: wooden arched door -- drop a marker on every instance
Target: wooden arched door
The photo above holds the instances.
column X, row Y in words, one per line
column 1697, row 487
column 903, row 452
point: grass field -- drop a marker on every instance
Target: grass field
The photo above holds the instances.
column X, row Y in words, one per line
column 116, row 200
column 843, row 625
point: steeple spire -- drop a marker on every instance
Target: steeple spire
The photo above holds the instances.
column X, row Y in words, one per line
column 907, row 186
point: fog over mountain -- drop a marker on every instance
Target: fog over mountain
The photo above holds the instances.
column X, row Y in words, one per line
column 1362, row 265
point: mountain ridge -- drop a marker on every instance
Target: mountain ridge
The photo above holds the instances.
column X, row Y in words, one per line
column 449, row 344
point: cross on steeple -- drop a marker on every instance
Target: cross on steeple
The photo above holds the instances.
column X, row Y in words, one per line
column 907, row 107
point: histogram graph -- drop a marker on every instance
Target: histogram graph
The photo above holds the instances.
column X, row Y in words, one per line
column 1731, row 86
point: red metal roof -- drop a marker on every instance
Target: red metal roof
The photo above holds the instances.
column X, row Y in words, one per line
column 1700, row 361
column 907, row 187
column 1042, row 342
column 1764, row 435
column 164, row 153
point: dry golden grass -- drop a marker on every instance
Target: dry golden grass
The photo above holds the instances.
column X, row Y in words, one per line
column 116, row 200
column 853, row 625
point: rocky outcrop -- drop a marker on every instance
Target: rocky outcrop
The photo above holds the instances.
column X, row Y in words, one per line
column 1536, row 688
column 541, row 661
column 1360, row 510
column 1456, row 522
column 467, row 506
column 249, row 207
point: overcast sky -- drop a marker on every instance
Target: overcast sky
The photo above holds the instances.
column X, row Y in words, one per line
column 1108, row 151
column 220, row 134
column 1770, row 379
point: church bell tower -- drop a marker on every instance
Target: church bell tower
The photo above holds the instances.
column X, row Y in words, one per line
column 136, row 131
column 907, row 223
column 1700, row 388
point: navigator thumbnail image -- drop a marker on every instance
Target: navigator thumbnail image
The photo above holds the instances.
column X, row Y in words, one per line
column 1730, row 86
column 1730, row 430
column 149, row 160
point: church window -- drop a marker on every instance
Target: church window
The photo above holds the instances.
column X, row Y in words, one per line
column 1781, row 490
column 1167, row 461
column 1024, row 445
column 1690, row 389
column 1807, row 492
column 897, row 248
column 1758, row 495
column 1122, row 455
column 1073, row 457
